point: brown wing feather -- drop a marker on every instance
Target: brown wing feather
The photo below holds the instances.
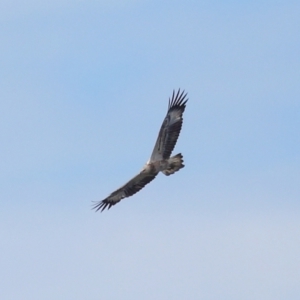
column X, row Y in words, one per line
column 171, row 127
column 130, row 188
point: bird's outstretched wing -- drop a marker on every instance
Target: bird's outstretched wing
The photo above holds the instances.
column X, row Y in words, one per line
column 130, row 188
column 170, row 128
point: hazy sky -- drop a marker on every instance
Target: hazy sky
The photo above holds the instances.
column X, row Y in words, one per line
column 84, row 87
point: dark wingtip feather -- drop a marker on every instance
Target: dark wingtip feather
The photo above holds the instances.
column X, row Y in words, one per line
column 170, row 99
column 179, row 100
column 102, row 205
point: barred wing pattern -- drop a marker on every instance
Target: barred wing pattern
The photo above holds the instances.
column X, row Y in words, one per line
column 170, row 128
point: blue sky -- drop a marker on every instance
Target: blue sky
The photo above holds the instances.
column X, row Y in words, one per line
column 84, row 87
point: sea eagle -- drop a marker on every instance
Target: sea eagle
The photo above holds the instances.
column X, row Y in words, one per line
column 160, row 159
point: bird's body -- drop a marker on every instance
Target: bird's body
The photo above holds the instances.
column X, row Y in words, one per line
column 160, row 160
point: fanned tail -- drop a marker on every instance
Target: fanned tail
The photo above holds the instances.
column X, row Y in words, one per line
column 175, row 163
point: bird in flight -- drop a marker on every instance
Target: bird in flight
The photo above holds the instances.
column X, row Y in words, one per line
column 160, row 160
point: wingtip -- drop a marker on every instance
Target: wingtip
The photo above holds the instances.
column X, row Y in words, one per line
column 102, row 205
column 171, row 99
column 178, row 98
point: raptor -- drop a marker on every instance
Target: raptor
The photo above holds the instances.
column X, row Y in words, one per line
column 160, row 160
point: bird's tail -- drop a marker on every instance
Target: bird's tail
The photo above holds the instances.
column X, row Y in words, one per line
column 175, row 163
